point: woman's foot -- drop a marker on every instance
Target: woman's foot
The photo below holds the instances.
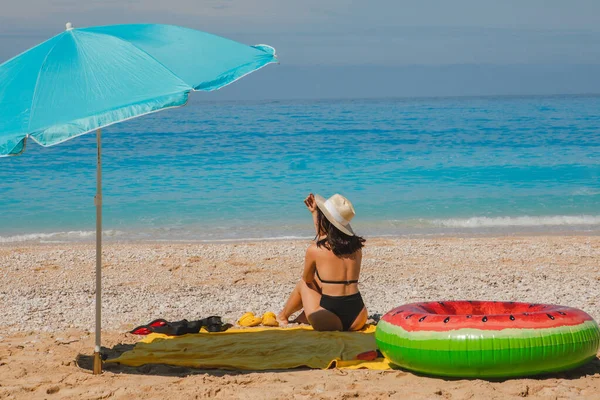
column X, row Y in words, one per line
column 282, row 319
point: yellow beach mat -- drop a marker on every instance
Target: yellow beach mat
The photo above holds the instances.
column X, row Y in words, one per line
column 257, row 349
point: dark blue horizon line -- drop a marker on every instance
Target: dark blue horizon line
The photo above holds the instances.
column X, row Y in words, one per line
column 195, row 99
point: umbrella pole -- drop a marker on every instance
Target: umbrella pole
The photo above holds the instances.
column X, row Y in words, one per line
column 98, row 203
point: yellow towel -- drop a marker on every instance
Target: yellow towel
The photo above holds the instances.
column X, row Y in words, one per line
column 257, row 349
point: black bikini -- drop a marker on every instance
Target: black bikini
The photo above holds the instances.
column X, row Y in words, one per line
column 346, row 308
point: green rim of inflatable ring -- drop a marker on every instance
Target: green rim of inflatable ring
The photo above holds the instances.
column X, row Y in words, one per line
column 477, row 339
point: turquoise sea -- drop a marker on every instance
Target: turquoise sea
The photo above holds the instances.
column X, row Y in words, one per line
column 237, row 170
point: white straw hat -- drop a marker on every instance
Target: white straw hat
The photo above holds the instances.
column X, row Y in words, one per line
column 338, row 210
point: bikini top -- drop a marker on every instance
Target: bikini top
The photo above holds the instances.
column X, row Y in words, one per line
column 336, row 282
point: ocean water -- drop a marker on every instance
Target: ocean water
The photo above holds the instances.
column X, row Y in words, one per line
column 236, row 170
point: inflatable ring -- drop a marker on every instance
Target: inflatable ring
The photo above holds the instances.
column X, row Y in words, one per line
column 484, row 339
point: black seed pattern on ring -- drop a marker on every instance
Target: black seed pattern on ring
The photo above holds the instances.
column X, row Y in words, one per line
column 512, row 318
column 484, row 319
column 422, row 318
column 562, row 313
column 446, row 320
column 468, row 316
column 550, row 316
column 408, row 316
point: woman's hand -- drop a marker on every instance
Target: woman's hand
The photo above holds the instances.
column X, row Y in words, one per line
column 311, row 204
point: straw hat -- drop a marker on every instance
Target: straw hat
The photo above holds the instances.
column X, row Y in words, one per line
column 338, row 210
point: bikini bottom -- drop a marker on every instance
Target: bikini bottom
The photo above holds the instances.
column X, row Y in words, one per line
column 346, row 308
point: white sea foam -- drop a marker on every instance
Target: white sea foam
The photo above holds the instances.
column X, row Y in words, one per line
column 75, row 236
column 373, row 228
column 240, row 239
column 54, row 237
column 586, row 192
column 521, row 221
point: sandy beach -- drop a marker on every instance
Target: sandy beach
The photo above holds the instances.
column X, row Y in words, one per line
column 47, row 297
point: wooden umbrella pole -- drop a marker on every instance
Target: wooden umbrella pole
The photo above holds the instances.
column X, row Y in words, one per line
column 98, row 203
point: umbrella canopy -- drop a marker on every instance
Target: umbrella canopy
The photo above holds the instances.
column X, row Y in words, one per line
column 84, row 79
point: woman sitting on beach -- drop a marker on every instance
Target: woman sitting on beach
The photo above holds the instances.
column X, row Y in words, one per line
column 328, row 291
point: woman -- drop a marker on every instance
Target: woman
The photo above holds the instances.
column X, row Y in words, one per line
column 328, row 291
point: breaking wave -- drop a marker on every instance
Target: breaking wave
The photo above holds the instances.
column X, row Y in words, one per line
column 554, row 223
column 522, row 221
column 57, row 237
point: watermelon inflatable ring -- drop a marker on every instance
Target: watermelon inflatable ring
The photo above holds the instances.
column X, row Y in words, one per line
column 484, row 339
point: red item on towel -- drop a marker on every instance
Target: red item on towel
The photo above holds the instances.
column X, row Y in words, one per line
column 367, row 355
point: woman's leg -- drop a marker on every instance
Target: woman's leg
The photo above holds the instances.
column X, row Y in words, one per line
column 318, row 317
column 293, row 304
column 360, row 321
column 301, row 319
column 308, row 296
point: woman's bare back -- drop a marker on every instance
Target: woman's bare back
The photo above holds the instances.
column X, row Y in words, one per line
column 330, row 267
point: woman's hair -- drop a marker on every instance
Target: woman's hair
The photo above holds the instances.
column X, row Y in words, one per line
column 336, row 240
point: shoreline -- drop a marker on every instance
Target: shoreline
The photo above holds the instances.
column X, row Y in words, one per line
column 245, row 231
column 464, row 235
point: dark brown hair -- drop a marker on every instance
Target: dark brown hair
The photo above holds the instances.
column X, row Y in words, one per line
column 336, row 240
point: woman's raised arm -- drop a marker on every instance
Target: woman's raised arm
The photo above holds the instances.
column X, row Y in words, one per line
column 311, row 204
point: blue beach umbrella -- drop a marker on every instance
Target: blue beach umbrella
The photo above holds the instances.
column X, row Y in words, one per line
column 85, row 79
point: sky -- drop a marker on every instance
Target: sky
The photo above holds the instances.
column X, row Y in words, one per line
column 376, row 48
